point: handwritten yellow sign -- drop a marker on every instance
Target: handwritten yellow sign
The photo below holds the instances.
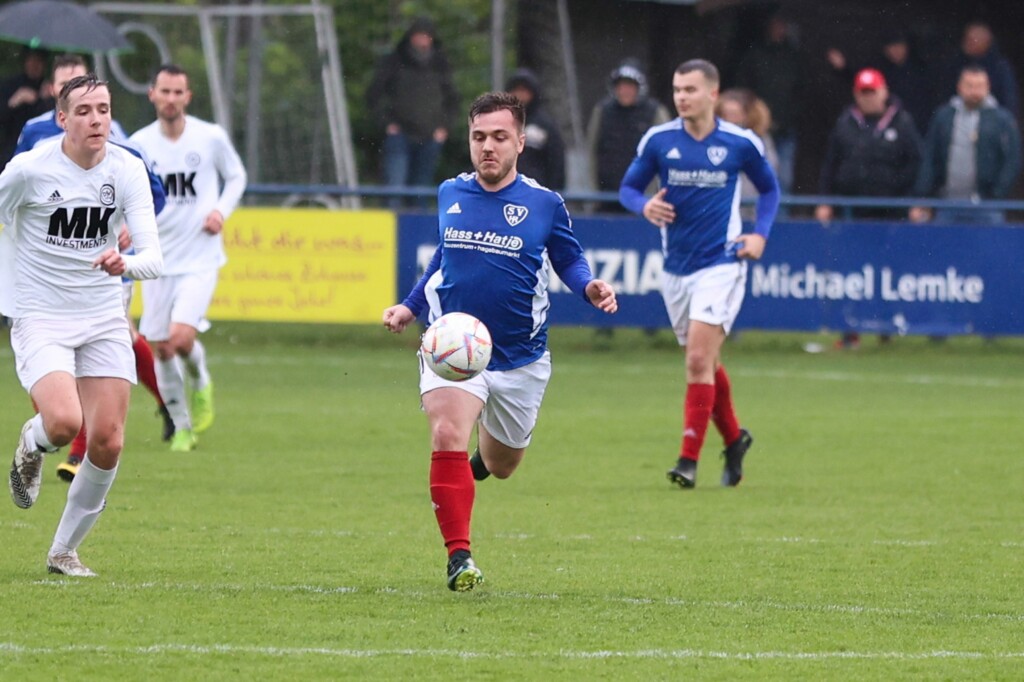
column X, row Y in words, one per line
column 306, row 265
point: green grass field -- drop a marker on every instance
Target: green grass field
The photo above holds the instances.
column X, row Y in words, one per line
column 877, row 535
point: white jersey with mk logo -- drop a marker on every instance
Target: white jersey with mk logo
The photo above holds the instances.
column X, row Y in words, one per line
column 58, row 218
column 201, row 172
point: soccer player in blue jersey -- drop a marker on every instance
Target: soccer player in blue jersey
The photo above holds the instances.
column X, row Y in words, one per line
column 698, row 159
column 500, row 235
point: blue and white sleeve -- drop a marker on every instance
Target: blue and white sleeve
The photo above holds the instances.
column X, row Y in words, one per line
column 417, row 298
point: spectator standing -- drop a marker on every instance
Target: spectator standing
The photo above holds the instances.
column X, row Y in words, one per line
column 874, row 149
column 22, row 97
column 413, row 95
column 773, row 70
column 543, row 158
column 972, row 151
column 616, row 125
column 978, row 47
column 745, row 109
column 907, row 75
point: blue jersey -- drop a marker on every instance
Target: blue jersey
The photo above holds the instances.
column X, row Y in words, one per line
column 494, row 259
column 702, row 177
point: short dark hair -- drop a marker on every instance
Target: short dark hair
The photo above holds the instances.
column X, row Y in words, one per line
column 709, row 70
column 490, row 102
column 171, row 69
column 89, row 81
column 65, row 60
column 974, row 68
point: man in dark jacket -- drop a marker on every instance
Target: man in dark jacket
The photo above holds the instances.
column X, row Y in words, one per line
column 22, row 97
column 412, row 93
column 978, row 47
column 874, row 149
column 543, row 158
column 972, row 151
column 616, row 125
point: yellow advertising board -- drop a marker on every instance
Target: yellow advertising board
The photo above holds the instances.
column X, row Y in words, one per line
column 305, row 265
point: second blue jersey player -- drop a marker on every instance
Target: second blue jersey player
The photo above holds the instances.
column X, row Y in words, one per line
column 500, row 235
column 698, row 159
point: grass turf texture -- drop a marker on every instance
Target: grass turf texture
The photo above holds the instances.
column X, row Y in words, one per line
column 877, row 534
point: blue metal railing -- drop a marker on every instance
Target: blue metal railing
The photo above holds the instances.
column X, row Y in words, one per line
column 844, row 205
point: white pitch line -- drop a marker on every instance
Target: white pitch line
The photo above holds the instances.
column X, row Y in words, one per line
column 12, row 649
column 670, row 602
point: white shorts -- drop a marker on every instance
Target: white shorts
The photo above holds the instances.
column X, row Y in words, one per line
column 180, row 299
column 712, row 295
column 82, row 348
column 511, row 398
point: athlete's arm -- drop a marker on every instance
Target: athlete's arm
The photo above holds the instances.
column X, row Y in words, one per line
column 566, row 254
column 638, row 176
column 147, row 262
column 231, row 170
column 417, row 298
column 763, row 177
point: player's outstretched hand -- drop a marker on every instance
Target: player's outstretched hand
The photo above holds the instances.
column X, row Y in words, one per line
column 751, row 246
column 659, row 211
column 110, row 262
column 602, row 295
column 397, row 318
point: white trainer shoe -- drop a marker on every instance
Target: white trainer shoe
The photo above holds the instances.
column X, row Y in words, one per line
column 67, row 563
column 26, row 471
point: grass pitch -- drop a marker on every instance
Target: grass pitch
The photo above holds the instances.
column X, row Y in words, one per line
column 877, row 534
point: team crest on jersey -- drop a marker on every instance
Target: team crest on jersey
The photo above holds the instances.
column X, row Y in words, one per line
column 107, row 195
column 716, row 155
column 515, row 214
column 192, row 159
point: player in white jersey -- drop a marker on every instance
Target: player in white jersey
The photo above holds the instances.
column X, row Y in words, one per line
column 698, row 159
column 500, row 236
column 62, row 204
column 193, row 158
column 37, row 131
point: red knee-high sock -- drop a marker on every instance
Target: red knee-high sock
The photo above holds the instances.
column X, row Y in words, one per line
column 78, row 444
column 699, row 400
column 723, row 413
column 452, row 491
column 145, row 366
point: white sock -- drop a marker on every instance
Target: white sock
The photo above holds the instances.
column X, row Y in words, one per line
column 195, row 363
column 38, row 432
column 171, row 381
column 86, row 499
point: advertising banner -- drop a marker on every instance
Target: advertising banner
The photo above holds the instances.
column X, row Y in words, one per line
column 871, row 277
column 305, row 265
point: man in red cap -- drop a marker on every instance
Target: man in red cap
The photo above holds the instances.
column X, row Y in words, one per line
column 874, row 151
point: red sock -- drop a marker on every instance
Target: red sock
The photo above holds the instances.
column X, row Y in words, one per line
column 452, row 491
column 697, row 412
column 723, row 414
column 145, row 366
column 78, row 444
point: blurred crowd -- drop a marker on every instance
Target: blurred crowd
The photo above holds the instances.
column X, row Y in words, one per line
column 914, row 127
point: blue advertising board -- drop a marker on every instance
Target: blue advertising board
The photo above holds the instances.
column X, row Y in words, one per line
column 892, row 278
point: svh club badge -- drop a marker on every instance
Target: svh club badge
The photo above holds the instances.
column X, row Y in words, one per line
column 717, row 154
column 515, row 214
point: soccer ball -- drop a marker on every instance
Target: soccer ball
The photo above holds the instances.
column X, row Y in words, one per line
column 456, row 347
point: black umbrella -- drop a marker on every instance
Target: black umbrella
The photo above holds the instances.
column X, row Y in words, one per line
column 60, row 26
